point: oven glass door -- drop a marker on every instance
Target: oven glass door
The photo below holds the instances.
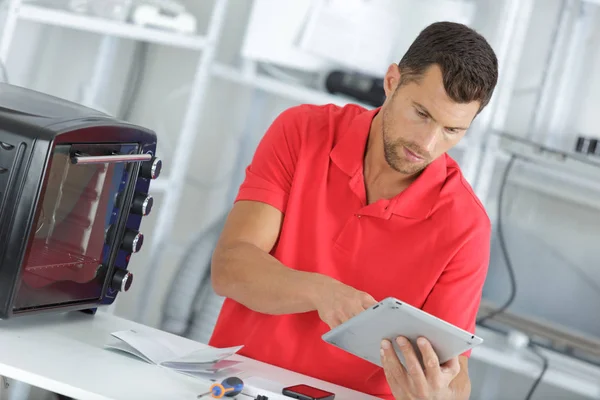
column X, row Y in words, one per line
column 69, row 245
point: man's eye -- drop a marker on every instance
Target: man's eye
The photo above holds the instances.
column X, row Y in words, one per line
column 450, row 130
column 421, row 114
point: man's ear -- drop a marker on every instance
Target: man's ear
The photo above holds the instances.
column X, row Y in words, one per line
column 391, row 79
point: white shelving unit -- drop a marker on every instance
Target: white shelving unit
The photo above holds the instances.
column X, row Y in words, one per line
column 574, row 31
column 20, row 10
column 66, row 19
column 249, row 77
column 553, row 173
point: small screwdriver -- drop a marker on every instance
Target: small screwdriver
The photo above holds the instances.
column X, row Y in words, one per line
column 229, row 387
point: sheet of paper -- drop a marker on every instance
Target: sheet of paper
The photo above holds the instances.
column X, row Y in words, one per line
column 210, row 368
column 161, row 351
column 203, row 356
column 122, row 346
column 152, row 349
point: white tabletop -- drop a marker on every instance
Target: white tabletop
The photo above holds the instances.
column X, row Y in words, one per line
column 65, row 354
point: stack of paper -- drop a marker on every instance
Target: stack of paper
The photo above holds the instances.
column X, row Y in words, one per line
column 157, row 350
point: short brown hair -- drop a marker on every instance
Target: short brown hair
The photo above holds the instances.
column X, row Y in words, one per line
column 468, row 63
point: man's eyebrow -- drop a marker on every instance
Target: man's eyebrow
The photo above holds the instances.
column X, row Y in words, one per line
column 425, row 111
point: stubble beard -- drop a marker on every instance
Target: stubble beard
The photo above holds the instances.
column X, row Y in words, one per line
column 394, row 153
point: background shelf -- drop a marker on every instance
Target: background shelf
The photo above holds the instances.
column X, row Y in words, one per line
column 66, row 19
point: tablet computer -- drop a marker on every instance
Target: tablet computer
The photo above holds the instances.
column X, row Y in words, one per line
column 362, row 334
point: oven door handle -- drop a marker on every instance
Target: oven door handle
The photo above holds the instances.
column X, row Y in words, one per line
column 116, row 158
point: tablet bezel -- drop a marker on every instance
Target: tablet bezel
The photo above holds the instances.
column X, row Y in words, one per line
column 391, row 318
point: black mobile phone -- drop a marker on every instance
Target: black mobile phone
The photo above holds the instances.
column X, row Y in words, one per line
column 305, row 392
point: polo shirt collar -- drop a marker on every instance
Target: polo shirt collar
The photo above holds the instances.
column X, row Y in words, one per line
column 348, row 153
column 418, row 200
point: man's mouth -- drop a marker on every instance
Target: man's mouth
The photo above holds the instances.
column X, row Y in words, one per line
column 414, row 157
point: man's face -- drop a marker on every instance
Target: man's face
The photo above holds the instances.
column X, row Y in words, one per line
column 420, row 122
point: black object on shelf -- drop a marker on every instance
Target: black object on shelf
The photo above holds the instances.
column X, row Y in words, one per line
column 364, row 88
column 586, row 145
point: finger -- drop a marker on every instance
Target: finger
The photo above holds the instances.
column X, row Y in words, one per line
column 451, row 367
column 395, row 372
column 431, row 361
column 368, row 301
column 352, row 310
column 357, row 309
column 334, row 320
column 345, row 316
column 413, row 366
column 340, row 319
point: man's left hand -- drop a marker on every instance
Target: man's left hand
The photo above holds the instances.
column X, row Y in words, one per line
column 414, row 381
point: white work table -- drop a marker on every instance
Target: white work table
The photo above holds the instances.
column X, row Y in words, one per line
column 65, row 354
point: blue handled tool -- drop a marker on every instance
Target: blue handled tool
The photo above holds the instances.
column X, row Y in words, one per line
column 229, row 387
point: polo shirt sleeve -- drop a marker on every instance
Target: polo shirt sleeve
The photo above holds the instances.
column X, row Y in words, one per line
column 456, row 296
column 269, row 176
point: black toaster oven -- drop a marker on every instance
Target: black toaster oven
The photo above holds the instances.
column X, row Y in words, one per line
column 74, row 188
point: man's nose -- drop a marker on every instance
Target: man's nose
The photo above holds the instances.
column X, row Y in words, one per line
column 428, row 139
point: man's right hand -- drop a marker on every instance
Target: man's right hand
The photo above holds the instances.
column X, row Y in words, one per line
column 338, row 302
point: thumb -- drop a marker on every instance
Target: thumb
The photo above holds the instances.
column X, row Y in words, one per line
column 368, row 301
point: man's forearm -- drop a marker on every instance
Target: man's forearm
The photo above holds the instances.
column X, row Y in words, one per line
column 254, row 278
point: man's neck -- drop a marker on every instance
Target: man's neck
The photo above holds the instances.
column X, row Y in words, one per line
column 381, row 180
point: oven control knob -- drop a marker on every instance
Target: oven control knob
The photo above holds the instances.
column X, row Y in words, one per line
column 151, row 169
column 142, row 204
column 121, row 280
column 132, row 241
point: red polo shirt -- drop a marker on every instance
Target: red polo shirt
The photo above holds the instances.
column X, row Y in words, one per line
column 428, row 246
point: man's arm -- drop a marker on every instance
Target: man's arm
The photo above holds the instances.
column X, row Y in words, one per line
column 243, row 269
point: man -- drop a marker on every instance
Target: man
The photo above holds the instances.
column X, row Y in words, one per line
column 342, row 207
